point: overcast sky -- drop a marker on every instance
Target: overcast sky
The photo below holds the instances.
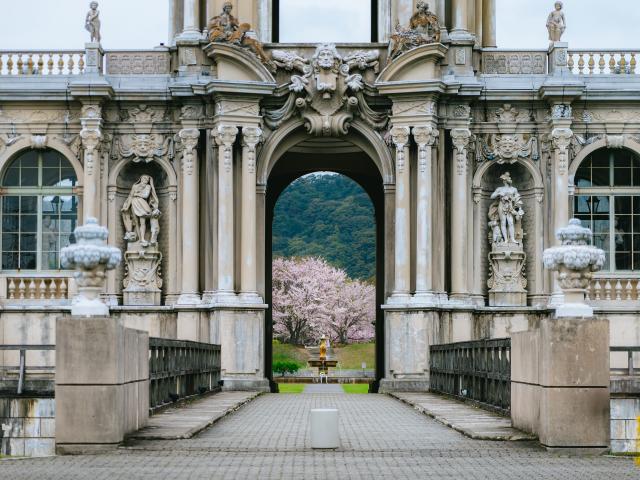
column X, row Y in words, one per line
column 53, row 24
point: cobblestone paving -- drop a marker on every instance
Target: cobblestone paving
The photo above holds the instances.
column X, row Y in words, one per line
column 268, row 438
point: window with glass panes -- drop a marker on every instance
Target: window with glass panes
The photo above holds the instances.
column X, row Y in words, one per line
column 39, row 210
column 607, row 200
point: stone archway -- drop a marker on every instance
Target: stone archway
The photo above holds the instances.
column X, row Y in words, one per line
column 345, row 157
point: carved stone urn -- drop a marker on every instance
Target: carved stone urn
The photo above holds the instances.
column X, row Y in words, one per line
column 91, row 257
column 575, row 261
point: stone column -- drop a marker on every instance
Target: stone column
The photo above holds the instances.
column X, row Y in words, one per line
column 400, row 137
column 191, row 20
column 176, row 19
column 425, row 137
column 190, row 203
column 441, row 12
column 459, row 213
column 91, row 136
column 225, row 136
column 248, row 280
column 460, row 30
column 478, row 21
column 489, row 24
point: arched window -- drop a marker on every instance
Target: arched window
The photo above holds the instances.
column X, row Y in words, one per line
column 39, row 210
column 608, row 201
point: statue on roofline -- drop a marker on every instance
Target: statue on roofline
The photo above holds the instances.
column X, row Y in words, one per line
column 556, row 23
column 92, row 22
column 225, row 28
column 423, row 29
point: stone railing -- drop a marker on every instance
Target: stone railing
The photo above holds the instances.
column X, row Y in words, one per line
column 514, row 62
column 138, row 62
column 618, row 290
column 60, row 62
column 602, row 62
column 37, row 289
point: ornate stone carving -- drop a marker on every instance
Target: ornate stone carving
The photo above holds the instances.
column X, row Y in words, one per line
column 90, row 140
column 225, row 28
column 363, row 59
column 400, row 138
column 189, row 140
column 561, row 139
column 138, row 63
column 38, row 142
column 142, row 206
column 326, row 95
column 514, row 63
column 575, row 261
column 91, row 258
column 224, row 107
column 92, row 22
column 142, row 280
column 142, row 147
column 423, row 29
column 561, row 111
column 507, row 148
column 460, row 138
column 425, row 137
column 225, row 137
column 191, row 112
column 461, row 111
column 615, row 141
column 507, row 281
column 288, row 61
column 413, row 107
column 556, row 23
column 251, row 137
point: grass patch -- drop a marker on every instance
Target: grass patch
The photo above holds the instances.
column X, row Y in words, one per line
column 291, row 387
column 352, row 356
column 357, row 388
column 284, row 352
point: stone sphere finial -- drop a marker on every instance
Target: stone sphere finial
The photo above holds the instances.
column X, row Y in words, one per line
column 91, row 257
column 575, row 261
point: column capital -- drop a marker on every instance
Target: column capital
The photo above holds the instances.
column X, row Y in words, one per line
column 460, row 138
column 426, row 135
column 561, row 139
column 225, row 135
column 400, row 138
column 251, row 137
column 189, row 138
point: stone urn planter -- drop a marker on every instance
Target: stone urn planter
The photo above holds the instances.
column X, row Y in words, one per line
column 575, row 261
column 91, row 257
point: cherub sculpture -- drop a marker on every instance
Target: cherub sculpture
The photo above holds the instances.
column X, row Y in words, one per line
column 92, row 22
column 556, row 23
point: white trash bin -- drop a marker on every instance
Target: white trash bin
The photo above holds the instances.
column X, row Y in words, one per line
column 324, row 428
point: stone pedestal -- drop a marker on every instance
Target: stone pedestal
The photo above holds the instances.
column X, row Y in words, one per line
column 102, row 383
column 142, row 281
column 93, row 58
column 507, row 280
column 560, row 383
column 558, row 58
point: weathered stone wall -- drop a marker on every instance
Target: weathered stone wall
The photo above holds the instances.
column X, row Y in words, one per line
column 27, row 427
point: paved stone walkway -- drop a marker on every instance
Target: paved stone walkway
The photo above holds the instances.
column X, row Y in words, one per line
column 268, row 438
column 471, row 421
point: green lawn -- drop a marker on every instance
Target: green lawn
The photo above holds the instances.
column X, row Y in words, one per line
column 291, row 387
column 352, row 356
column 356, row 388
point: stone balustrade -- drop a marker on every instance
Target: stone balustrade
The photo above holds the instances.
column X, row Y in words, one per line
column 602, row 62
column 619, row 290
column 37, row 289
column 23, row 62
column 514, row 62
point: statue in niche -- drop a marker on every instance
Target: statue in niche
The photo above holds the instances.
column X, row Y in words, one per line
column 556, row 23
column 505, row 214
column 507, row 274
column 225, row 28
column 142, row 205
column 92, row 22
column 423, row 28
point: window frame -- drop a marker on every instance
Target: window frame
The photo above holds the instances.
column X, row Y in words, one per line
column 612, row 192
column 39, row 192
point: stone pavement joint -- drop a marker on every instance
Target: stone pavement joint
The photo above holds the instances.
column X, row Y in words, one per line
column 330, row 388
column 186, row 420
column 469, row 420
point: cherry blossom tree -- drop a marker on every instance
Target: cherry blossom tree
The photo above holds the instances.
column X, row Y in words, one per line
column 311, row 298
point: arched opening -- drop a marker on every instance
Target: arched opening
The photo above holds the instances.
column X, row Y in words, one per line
column 607, row 201
column 338, row 157
column 39, row 210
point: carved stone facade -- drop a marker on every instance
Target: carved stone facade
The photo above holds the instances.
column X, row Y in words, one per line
column 219, row 126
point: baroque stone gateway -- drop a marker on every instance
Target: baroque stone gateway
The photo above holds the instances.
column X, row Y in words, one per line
column 474, row 157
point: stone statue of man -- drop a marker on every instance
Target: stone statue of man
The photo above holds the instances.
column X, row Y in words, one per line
column 505, row 212
column 92, row 22
column 141, row 204
column 556, row 23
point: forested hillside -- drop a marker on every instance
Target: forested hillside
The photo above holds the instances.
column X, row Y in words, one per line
column 329, row 216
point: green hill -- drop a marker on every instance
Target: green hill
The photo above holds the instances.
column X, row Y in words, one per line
column 328, row 216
